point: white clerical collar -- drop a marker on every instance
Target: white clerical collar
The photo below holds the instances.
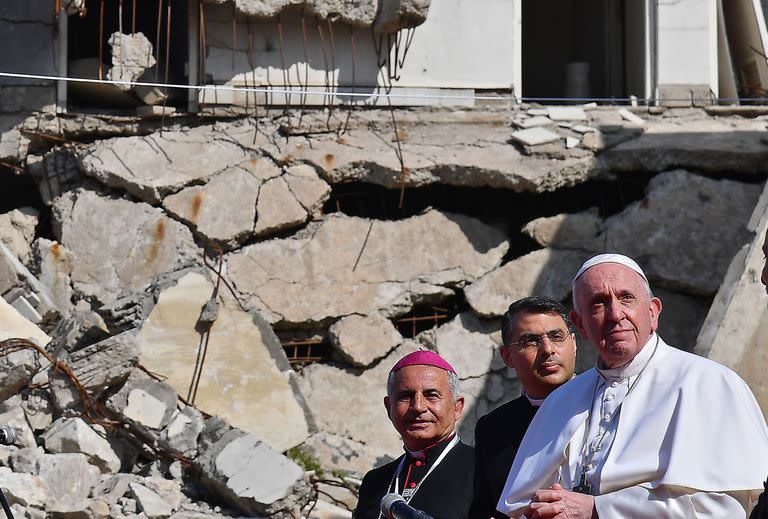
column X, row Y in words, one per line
column 535, row 402
column 631, row 368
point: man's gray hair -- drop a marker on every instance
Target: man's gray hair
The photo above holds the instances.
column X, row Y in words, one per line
column 453, row 383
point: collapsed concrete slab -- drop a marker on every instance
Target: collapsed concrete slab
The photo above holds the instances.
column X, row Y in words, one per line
column 252, row 477
column 118, row 244
column 352, row 265
column 545, row 272
column 709, row 145
column 568, row 231
column 245, row 368
column 17, row 231
column 152, row 166
column 74, row 435
column 468, row 343
column 716, row 212
column 362, row 340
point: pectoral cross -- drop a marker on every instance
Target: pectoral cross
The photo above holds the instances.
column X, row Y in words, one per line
column 583, row 487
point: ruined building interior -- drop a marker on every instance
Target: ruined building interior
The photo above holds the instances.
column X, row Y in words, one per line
column 223, row 220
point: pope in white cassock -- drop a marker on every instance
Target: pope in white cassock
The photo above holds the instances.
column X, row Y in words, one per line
column 650, row 432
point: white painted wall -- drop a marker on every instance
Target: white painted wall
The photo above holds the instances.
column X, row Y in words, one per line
column 464, row 44
column 687, row 43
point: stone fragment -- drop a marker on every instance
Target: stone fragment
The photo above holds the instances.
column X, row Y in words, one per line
column 324, row 386
column 150, row 502
column 531, row 122
column 30, row 297
column 277, row 208
column 338, row 453
column 17, row 230
column 579, row 231
column 468, row 343
column 309, row 189
column 631, row 117
column 535, row 136
column 152, row 166
column 97, row 367
column 351, row 265
column 394, row 15
column 54, row 264
column 566, row 113
column 252, row 477
column 145, row 401
column 147, row 243
column 26, row 490
column 127, row 312
column 245, row 369
column 18, row 367
column 571, row 142
column 74, row 435
column 362, row 340
column 81, row 328
column 69, row 477
column 38, row 409
column 13, row 144
column 213, row 212
column 183, row 430
column 131, row 56
column 582, row 128
column 716, row 213
column 546, row 272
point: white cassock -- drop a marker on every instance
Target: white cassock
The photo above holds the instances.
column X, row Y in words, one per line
column 688, row 440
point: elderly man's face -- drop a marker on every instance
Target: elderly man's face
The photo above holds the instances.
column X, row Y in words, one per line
column 764, row 276
column 544, row 367
column 615, row 312
column 421, row 406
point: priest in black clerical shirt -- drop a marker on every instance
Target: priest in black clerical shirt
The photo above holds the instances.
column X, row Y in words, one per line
column 435, row 473
column 539, row 343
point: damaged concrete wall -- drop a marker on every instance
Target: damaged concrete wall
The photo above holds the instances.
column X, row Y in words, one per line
column 185, row 267
column 444, row 52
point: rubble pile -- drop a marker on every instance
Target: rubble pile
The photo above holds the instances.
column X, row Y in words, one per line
column 154, row 364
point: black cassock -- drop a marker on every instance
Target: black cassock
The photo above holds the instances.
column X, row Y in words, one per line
column 497, row 438
column 445, row 494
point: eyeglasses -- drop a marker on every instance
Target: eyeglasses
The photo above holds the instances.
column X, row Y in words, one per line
column 535, row 341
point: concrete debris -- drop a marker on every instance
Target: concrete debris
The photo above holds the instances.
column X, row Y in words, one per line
column 568, row 231
column 571, row 142
column 354, row 265
column 24, row 291
column 132, row 55
column 153, row 166
column 545, row 272
column 18, row 367
column 126, row 312
column 54, row 264
column 468, row 343
column 106, row 263
column 24, row 489
column 184, row 430
column 395, row 15
column 362, row 340
column 149, row 502
column 17, row 231
column 323, row 385
column 337, row 453
column 252, row 477
column 531, row 122
column 243, row 356
column 144, row 401
column 353, row 12
column 716, row 211
column 69, row 477
column 81, row 328
column 74, row 7
column 566, row 113
column 631, row 117
column 56, row 172
column 277, row 208
column 74, row 435
column 535, row 136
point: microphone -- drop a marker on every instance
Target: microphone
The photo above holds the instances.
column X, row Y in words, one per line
column 8, row 435
column 393, row 506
